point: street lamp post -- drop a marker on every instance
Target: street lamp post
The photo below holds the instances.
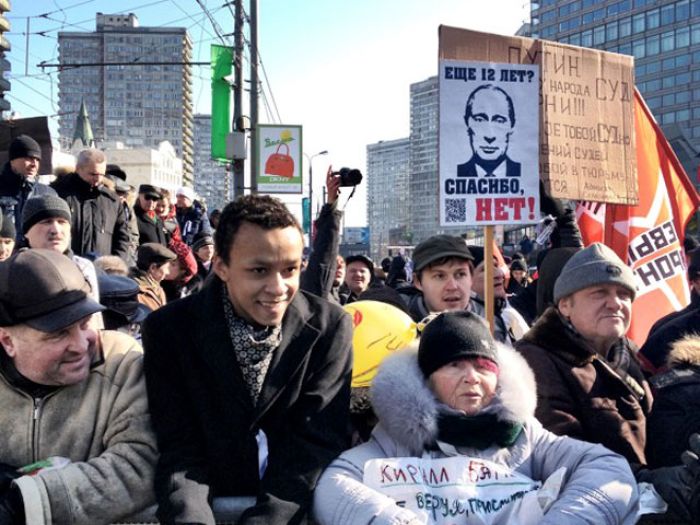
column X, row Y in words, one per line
column 310, row 158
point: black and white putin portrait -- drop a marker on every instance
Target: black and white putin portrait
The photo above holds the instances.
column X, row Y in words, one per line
column 490, row 120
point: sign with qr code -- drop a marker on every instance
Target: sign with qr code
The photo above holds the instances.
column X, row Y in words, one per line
column 489, row 143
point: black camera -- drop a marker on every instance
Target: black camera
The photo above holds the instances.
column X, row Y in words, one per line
column 349, row 176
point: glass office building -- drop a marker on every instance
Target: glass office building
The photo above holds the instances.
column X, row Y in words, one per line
column 388, row 203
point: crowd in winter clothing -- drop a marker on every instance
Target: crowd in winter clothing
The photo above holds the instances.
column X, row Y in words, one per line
column 244, row 386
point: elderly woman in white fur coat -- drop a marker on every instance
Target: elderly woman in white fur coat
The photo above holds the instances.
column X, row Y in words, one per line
column 457, row 442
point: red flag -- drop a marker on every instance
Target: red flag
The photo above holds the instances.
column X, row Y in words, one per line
column 649, row 236
column 591, row 220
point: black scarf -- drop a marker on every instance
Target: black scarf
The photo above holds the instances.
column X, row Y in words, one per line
column 480, row 431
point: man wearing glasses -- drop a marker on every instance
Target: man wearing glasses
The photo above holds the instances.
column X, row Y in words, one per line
column 151, row 228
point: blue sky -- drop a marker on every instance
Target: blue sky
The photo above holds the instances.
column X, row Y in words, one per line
column 341, row 69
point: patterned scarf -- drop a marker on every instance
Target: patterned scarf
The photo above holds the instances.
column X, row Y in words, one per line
column 253, row 348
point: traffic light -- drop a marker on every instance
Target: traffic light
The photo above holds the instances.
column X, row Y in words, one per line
column 4, row 48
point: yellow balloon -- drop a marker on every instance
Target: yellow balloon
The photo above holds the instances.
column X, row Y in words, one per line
column 378, row 330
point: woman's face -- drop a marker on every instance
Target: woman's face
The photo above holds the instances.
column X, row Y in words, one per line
column 162, row 207
column 159, row 272
column 6, row 246
column 467, row 384
column 176, row 271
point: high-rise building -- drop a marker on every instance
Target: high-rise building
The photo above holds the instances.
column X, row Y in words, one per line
column 664, row 38
column 209, row 175
column 5, row 47
column 140, row 106
column 388, row 202
column 424, row 183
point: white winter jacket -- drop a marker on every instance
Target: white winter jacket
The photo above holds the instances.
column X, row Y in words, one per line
column 599, row 486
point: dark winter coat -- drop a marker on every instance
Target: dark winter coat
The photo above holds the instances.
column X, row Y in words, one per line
column 526, row 302
column 656, row 348
column 150, row 230
column 320, row 273
column 583, row 395
column 15, row 190
column 415, row 304
column 207, row 425
column 192, row 221
column 98, row 222
column 676, row 411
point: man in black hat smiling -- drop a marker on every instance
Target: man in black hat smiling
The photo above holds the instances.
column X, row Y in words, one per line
column 151, row 227
column 79, row 393
column 17, row 178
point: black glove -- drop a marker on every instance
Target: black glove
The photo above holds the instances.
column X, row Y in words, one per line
column 7, row 474
column 12, row 508
column 550, row 205
column 567, row 233
column 674, row 485
column 691, row 460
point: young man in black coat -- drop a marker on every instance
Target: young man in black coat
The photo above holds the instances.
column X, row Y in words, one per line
column 249, row 379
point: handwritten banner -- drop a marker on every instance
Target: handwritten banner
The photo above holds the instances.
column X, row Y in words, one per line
column 586, row 137
column 457, row 490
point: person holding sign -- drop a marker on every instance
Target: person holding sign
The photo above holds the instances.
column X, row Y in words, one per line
column 490, row 119
column 457, row 442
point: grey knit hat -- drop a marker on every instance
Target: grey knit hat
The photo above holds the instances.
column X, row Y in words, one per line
column 37, row 209
column 592, row 266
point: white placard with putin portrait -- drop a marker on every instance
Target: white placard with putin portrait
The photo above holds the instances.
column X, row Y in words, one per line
column 489, row 143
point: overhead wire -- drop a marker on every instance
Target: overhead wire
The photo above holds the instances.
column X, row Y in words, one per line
column 49, row 76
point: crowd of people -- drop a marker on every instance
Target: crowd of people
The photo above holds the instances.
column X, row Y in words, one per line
column 243, row 385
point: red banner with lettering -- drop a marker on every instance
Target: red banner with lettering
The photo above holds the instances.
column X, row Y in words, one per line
column 649, row 236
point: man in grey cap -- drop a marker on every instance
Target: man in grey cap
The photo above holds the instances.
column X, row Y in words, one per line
column 589, row 382
column 76, row 393
column 442, row 276
column 18, row 179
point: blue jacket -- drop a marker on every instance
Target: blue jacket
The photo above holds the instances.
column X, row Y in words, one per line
column 192, row 221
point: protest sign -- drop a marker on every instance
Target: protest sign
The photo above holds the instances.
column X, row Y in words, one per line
column 279, row 158
column 586, row 115
column 488, row 143
column 461, row 490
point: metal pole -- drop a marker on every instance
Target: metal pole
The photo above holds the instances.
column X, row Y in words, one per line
column 238, row 165
column 311, row 181
column 311, row 188
column 254, row 94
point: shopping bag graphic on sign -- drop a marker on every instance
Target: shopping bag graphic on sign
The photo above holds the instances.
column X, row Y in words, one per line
column 280, row 164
